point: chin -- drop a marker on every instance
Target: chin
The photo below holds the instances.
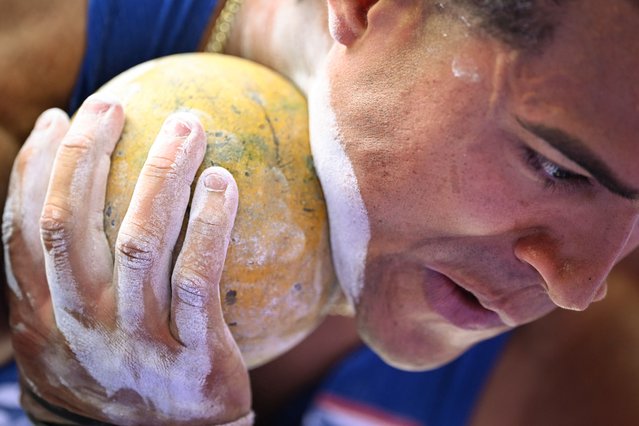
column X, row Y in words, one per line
column 425, row 349
column 416, row 362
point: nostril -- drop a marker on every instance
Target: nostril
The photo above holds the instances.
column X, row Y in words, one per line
column 601, row 292
column 541, row 252
column 571, row 281
column 565, row 304
column 572, row 299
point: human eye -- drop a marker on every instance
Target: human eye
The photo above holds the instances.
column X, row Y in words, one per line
column 551, row 173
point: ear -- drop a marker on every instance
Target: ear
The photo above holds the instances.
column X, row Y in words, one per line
column 347, row 19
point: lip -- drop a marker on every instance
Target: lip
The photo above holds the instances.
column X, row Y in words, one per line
column 457, row 305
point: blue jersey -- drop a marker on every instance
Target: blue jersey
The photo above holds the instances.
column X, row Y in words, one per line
column 10, row 412
column 363, row 390
column 124, row 33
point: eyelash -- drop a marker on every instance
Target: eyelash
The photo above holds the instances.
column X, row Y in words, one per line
column 552, row 174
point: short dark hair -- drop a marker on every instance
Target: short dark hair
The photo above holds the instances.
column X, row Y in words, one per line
column 522, row 24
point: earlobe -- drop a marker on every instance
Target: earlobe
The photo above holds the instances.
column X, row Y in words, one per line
column 347, row 19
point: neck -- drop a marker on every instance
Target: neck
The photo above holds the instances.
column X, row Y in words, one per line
column 289, row 36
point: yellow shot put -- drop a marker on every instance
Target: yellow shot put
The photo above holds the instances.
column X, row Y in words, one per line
column 278, row 279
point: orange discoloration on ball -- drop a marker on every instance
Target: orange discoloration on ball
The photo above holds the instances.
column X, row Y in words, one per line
column 278, row 278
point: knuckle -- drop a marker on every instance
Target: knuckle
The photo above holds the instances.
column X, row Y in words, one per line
column 136, row 251
column 190, row 288
column 25, row 155
column 9, row 228
column 55, row 226
column 161, row 167
column 78, row 143
column 213, row 224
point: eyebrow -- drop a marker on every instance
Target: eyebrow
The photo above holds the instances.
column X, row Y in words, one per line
column 577, row 151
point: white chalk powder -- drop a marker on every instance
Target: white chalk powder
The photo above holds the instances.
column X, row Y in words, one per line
column 348, row 218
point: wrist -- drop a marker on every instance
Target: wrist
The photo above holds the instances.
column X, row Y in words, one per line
column 43, row 413
column 246, row 420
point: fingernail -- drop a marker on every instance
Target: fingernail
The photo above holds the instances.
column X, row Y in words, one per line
column 181, row 124
column 101, row 102
column 214, row 182
column 43, row 122
column 178, row 127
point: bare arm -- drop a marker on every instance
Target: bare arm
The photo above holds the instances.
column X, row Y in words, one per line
column 41, row 48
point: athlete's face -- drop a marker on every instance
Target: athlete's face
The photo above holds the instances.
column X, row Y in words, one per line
column 473, row 188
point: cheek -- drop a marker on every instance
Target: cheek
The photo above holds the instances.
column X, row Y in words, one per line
column 421, row 166
column 431, row 189
column 394, row 318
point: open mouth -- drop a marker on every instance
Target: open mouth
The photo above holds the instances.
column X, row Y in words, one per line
column 468, row 296
column 458, row 305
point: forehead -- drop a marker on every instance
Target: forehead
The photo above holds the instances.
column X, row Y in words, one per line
column 586, row 74
column 595, row 49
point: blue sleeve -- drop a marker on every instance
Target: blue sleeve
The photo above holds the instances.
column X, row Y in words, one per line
column 365, row 390
column 124, row 33
column 10, row 411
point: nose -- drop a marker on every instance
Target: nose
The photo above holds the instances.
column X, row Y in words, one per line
column 574, row 265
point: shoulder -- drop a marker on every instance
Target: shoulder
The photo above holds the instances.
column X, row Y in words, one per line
column 41, row 48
